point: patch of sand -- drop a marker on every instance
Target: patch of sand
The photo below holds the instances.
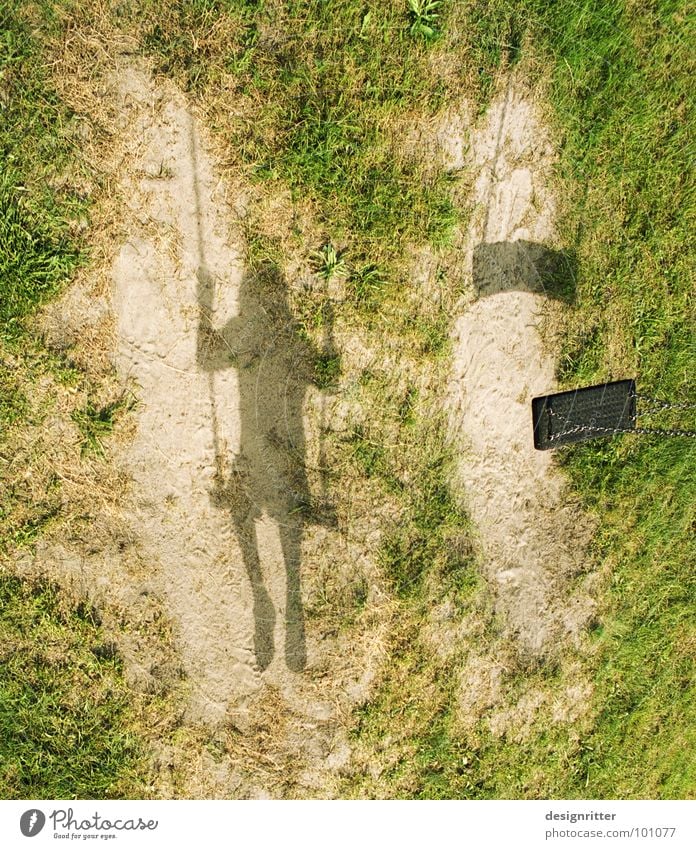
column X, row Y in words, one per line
column 532, row 536
column 218, row 458
column 174, row 232
column 201, row 561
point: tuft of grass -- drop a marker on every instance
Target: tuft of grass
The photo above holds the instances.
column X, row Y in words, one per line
column 370, row 455
column 95, row 422
column 622, row 73
column 431, row 334
column 13, row 400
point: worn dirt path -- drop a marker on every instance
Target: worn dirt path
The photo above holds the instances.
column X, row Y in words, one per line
column 532, row 538
column 202, row 558
column 175, row 234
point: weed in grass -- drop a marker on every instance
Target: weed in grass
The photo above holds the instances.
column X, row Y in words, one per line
column 95, row 423
column 424, row 15
column 329, row 264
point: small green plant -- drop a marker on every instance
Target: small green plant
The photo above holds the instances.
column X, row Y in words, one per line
column 97, row 422
column 329, row 263
column 365, row 25
column 423, row 16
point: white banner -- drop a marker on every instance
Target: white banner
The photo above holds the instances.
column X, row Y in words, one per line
column 358, row 824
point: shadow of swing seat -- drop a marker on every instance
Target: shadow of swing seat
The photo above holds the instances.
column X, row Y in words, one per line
column 524, row 266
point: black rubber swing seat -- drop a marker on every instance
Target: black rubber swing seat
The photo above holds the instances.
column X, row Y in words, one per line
column 580, row 414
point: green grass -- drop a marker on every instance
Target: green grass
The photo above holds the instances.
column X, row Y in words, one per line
column 67, row 722
column 327, row 370
column 65, row 712
column 13, row 402
column 424, row 15
column 329, row 263
column 422, row 544
column 622, row 73
column 37, row 144
column 34, row 261
column 322, row 80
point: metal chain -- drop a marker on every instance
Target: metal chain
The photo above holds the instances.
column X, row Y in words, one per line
column 641, row 430
column 661, row 405
column 599, row 429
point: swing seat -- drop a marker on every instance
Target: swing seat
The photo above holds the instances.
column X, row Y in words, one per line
column 566, row 417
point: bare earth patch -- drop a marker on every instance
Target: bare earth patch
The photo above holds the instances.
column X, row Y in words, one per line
column 201, row 559
column 218, row 459
column 173, row 234
column 533, row 537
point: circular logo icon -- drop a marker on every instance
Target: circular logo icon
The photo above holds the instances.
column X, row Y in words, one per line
column 31, row 822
